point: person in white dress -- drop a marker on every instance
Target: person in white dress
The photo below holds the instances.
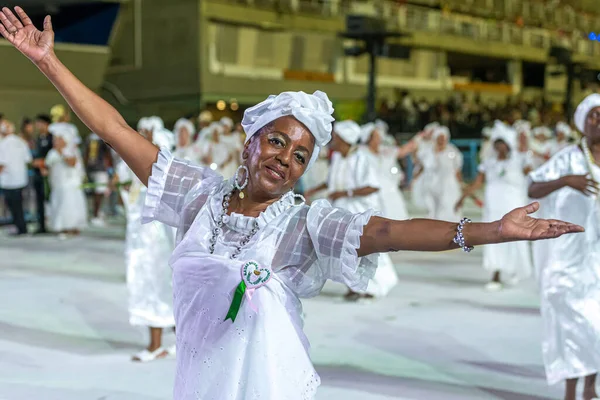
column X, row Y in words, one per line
column 541, row 145
column 504, row 175
column 384, row 158
column 246, row 251
column 233, row 145
column 421, row 157
column 442, row 171
column 61, row 122
column 353, row 184
column 68, row 206
column 569, row 268
column 315, row 177
column 185, row 147
column 147, row 251
column 564, row 135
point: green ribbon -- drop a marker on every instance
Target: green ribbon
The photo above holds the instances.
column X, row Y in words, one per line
column 236, row 302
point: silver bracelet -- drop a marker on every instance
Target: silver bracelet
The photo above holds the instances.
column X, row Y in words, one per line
column 459, row 239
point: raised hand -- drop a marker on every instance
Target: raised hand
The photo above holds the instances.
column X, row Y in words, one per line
column 518, row 225
column 21, row 33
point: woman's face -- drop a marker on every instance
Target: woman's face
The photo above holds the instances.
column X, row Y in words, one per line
column 592, row 125
column 28, row 129
column 375, row 141
column 277, row 157
column 501, row 148
column 560, row 136
column 59, row 143
column 183, row 137
column 441, row 141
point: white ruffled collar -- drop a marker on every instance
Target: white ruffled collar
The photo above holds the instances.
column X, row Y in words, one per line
column 242, row 222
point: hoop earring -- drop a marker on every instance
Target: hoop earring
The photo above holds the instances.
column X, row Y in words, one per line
column 236, row 184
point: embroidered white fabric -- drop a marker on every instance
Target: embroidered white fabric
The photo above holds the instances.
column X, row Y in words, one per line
column 262, row 354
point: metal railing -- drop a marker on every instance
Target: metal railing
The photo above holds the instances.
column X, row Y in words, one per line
column 425, row 19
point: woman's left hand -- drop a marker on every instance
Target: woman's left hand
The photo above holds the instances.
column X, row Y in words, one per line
column 518, row 225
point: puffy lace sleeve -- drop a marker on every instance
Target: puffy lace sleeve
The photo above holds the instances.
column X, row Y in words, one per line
column 169, row 186
column 559, row 165
column 335, row 236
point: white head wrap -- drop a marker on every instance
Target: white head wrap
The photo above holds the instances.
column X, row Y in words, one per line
column 503, row 132
column 66, row 130
column 183, row 123
column 142, row 124
column 431, row 126
column 486, row 132
column 163, row 138
column 441, row 131
column 542, row 130
column 313, row 110
column 155, row 124
column 382, row 126
column 226, row 121
column 564, row 128
column 366, row 131
column 349, row 131
column 583, row 109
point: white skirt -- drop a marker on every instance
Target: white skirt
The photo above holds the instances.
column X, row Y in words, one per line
column 68, row 209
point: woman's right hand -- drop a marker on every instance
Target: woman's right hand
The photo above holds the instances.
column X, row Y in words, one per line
column 21, row 33
column 582, row 183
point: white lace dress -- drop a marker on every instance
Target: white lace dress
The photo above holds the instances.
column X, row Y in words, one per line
column 264, row 353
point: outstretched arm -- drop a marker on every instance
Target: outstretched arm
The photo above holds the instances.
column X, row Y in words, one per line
column 97, row 114
column 382, row 235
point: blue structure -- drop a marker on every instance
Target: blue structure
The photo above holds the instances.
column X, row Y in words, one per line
column 470, row 151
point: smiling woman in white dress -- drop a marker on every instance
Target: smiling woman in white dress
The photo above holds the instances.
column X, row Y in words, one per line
column 246, row 252
column 569, row 268
column 503, row 173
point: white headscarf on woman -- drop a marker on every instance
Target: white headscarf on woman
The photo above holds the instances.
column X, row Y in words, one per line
column 349, row 131
column 183, row 123
column 590, row 102
column 501, row 131
column 160, row 136
column 313, row 110
column 441, row 131
column 564, row 128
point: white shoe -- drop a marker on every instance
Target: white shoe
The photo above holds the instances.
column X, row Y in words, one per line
column 62, row 236
column 493, row 286
column 99, row 222
column 146, row 356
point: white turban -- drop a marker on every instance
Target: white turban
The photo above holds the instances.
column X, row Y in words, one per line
column 486, row 132
column 142, row 124
column 508, row 135
column 226, row 121
column 382, row 126
column 184, row 123
column 313, row 110
column 441, row 131
column 65, row 130
column 431, row 126
column 564, row 128
column 163, row 138
column 583, row 109
column 542, row 130
column 366, row 131
column 349, row 131
column 155, row 124
column 522, row 126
